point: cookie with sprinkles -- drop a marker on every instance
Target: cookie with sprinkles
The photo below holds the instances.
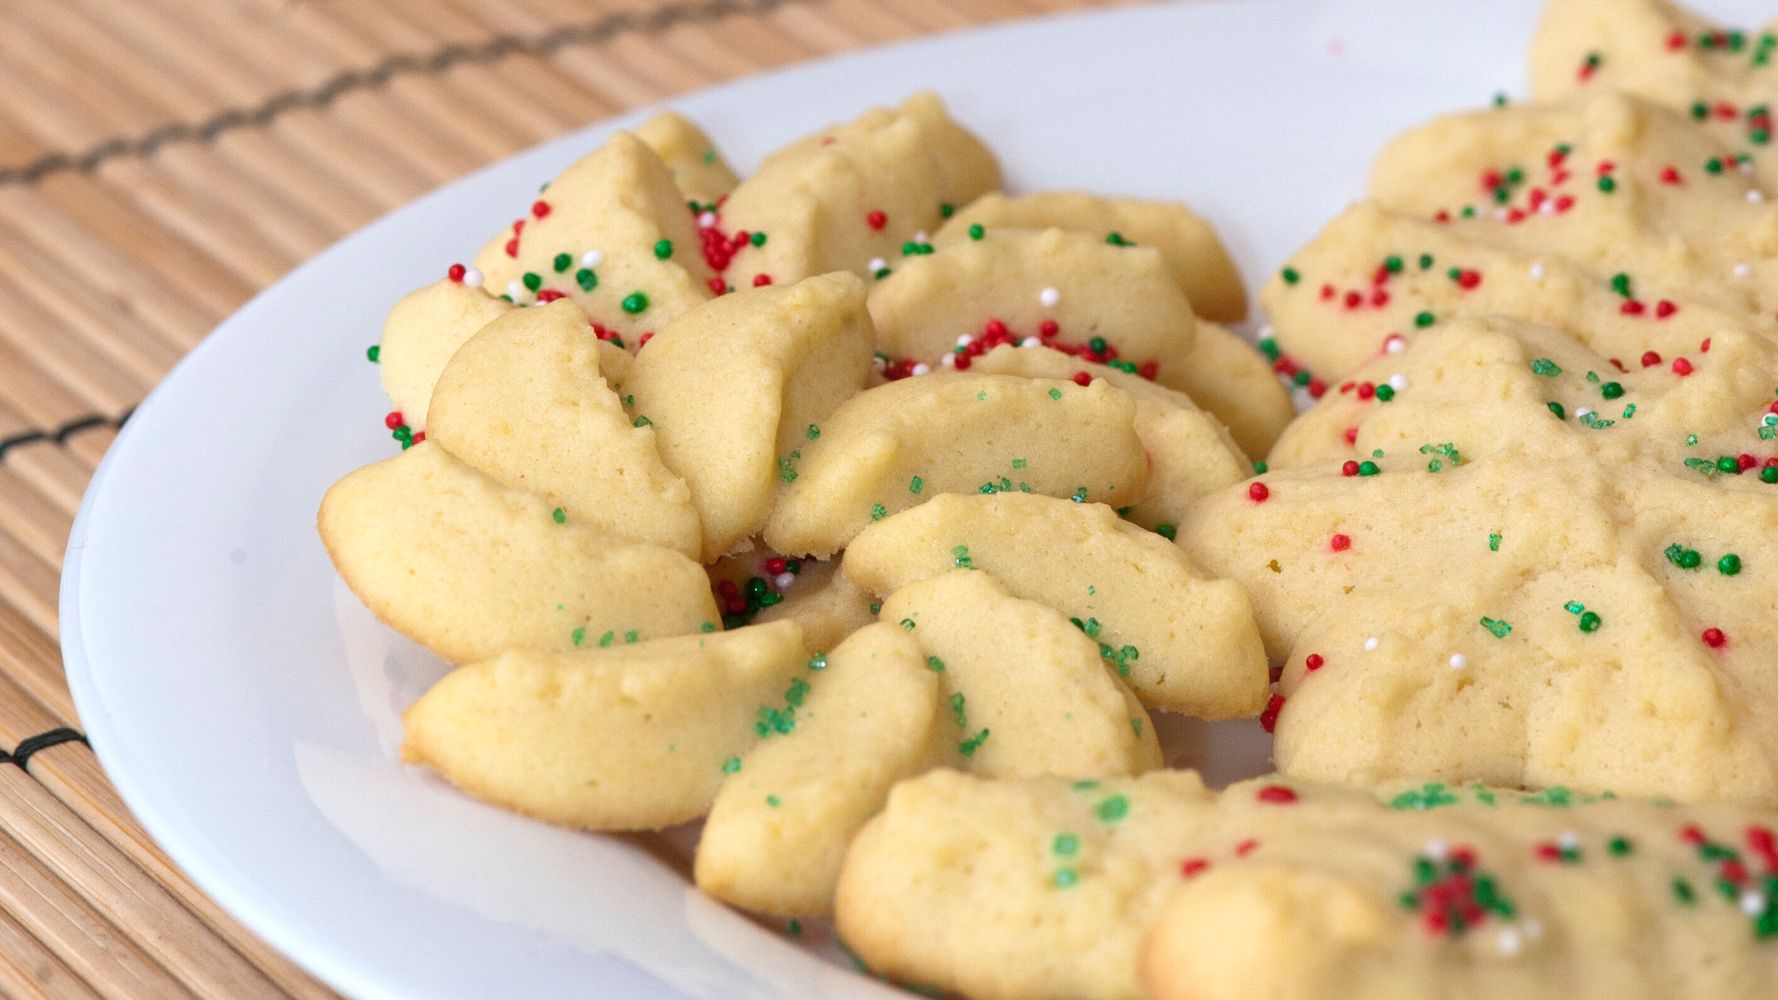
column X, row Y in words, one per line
column 899, row 444
column 812, row 593
column 852, row 195
column 1066, row 290
column 739, row 390
column 1374, row 279
column 1181, row 641
column 1720, row 77
column 613, row 233
column 1028, row 692
column 619, row 734
column 1602, row 177
column 697, row 168
column 1201, row 265
column 779, row 828
column 470, row 568
column 1155, row 886
column 422, row 332
column 1190, row 452
column 1497, row 557
column 527, row 402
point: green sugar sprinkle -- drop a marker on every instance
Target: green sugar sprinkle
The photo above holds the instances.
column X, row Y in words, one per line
column 957, row 711
column 915, row 485
column 1065, row 844
column 1055, row 393
column 560, row 515
column 935, row 664
column 1546, row 368
column 578, row 636
column 878, row 512
column 1498, row 627
column 1065, row 877
column 969, row 746
column 773, row 801
column 1112, row 809
column 731, row 765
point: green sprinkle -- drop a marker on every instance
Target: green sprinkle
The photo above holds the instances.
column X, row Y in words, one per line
column 1368, row 468
column 707, row 627
column 1727, row 464
column 635, row 302
column 1607, row 185
column 731, row 765
column 818, row 662
column 1112, row 809
column 946, row 209
column 663, row 249
column 1729, row 564
column 1589, row 621
column 795, row 927
column 957, row 711
column 878, row 512
column 1557, row 409
column 935, row 664
column 1079, row 495
column 757, row 239
column 915, row 485
column 1260, row 468
column 1493, row 541
column 1574, row 607
column 1619, row 847
column 1064, row 877
column 1424, row 319
column 374, row 353
column 960, row 558
column 1425, row 262
column 907, row 623
column 642, row 421
column 560, row 515
column 1546, row 368
column 1166, row 531
column 1116, row 239
column 587, row 279
column 1629, row 411
column 1385, row 392
column 533, row 281
column 812, row 433
column 969, row 746
column 1392, row 264
column 1683, row 891
column 976, row 231
column 578, row 636
column 1611, row 390
column 773, row 801
column 1055, row 393
column 1498, row 627
column 1065, row 844
column 1290, row 274
column 607, row 639
column 563, row 261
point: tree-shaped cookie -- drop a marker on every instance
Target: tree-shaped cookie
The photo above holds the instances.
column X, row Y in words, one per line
column 1719, row 76
column 698, row 170
column 1497, row 557
column 611, row 232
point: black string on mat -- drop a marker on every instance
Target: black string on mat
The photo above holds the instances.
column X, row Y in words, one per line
column 28, row 747
column 604, row 29
column 60, row 435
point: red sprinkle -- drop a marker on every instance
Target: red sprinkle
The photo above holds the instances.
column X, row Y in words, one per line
column 1192, row 867
column 1340, row 543
column 877, row 219
column 1313, row 662
column 1276, row 795
column 1246, row 847
column 419, row 436
column 1669, row 175
column 1714, row 637
column 1632, row 307
column 1349, row 468
column 1268, row 719
column 1676, row 41
column 1469, row 279
column 1082, row 378
column 540, row 209
column 1258, row 492
column 1692, row 834
column 393, row 420
column 1666, row 308
column 761, row 280
column 1682, row 367
column 548, row 295
column 1650, row 359
column 1352, row 435
column 456, row 272
column 718, row 286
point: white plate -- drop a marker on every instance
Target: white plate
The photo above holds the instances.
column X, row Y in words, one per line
column 247, row 707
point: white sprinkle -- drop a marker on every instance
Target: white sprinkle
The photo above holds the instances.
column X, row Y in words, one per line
column 1755, row 196
column 921, row 369
column 1742, row 270
column 1398, row 381
column 1581, row 411
column 877, row 362
column 947, row 360
column 516, row 290
column 1568, row 840
column 783, row 580
column 592, row 258
column 964, row 340
column 472, row 278
column 1500, row 215
column 920, row 237
column 1030, row 342
column 1436, row 849
column 1547, row 208
column 1753, row 902
column 876, row 264
column 1265, row 332
column 1459, row 661
column 1370, row 644
column 1531, row 928
column 1537, row 271
column 706, row 220
column 1395, row 343
column 1048, row 298
column 1510, row 941
column 1745, row 166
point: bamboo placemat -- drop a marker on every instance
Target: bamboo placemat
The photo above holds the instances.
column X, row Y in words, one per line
column 160, row 162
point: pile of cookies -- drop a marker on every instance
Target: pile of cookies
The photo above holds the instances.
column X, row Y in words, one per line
column 868, row 515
